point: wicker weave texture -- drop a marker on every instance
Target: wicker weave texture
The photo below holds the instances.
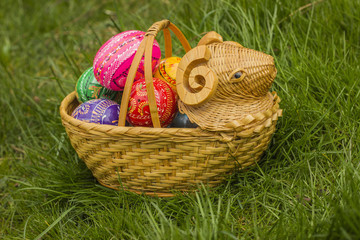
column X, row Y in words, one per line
column 236, row 118
column 159, row 160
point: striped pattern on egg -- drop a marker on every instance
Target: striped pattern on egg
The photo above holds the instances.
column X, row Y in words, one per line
column 113, row 60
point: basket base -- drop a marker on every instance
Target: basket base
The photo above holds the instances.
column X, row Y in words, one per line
column 152, row 194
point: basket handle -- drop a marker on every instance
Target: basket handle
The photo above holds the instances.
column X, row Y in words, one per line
column 146, row 46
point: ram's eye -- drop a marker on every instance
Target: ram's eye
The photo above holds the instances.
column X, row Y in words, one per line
column 237, row 75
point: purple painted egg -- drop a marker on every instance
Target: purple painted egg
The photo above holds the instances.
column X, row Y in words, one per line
column 101, row 111
column 113, row 60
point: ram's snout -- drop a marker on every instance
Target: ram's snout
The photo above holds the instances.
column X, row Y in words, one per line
column 260, row 72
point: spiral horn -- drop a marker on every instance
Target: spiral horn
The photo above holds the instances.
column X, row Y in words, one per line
column 195, row 82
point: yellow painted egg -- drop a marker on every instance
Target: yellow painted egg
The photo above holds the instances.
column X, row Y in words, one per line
column 167, row 70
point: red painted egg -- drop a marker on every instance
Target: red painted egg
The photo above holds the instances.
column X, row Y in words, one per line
column 139, row 112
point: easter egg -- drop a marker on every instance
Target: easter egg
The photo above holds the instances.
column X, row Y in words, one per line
column 87, row 88
column 139, row 111
column 167, row 70
column 101, row 111
column 182, row 121
column 113, row 60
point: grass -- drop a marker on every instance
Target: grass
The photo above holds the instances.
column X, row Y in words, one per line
column 305, row 187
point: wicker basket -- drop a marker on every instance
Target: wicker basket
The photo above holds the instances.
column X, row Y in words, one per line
column 159, row 161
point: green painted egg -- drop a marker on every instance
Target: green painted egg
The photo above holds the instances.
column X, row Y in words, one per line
column 88, row 88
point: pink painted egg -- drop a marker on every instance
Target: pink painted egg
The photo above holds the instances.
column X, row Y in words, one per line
column 139, row 111
column 113, row 60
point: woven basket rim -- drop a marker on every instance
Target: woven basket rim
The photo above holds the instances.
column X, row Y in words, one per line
column 157, row 133
column 119, row 129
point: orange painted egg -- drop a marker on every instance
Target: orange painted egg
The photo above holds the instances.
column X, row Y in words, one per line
column 139, row 111
column 167, row 70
